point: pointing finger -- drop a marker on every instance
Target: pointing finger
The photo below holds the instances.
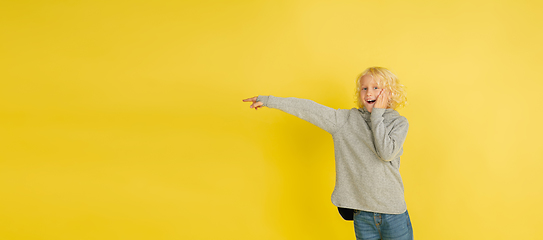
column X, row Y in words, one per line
column 253, row 99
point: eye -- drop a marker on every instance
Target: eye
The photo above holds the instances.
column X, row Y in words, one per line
column 375, row 88
column 364, row 89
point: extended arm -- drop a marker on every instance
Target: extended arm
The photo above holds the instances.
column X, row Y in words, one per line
column 317, row 114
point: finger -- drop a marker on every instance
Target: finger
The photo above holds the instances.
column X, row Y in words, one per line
column 380, row 96
column 384, row 93
column 256, row 105
column 253, row 99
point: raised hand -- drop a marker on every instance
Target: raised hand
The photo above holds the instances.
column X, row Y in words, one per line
column 382, row 99
column 256, row 105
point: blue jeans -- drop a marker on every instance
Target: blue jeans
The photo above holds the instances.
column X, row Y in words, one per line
column 374, row 226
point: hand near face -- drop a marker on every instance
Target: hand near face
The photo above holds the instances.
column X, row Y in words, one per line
column 382, row 99
column 256, row 105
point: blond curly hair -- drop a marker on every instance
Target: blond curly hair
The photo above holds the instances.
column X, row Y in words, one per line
column 385, row 79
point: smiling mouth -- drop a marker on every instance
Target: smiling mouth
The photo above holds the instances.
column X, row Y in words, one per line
column 370, row 101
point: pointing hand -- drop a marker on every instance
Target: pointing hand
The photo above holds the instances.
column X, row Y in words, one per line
column 256, row 105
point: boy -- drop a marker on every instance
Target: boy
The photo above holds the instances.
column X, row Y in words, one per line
column 368, row 143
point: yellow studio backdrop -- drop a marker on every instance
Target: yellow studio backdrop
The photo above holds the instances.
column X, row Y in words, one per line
column 124, row 120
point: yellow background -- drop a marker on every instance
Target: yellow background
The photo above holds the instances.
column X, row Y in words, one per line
column 124, row 120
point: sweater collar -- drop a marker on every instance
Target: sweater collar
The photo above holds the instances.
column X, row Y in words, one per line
column 389, row 113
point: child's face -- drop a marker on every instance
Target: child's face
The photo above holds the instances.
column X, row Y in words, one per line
column 369, row 91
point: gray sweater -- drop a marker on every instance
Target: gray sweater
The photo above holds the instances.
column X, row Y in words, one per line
column 367, row 150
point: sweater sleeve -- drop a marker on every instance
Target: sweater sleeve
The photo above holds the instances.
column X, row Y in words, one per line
column 321, row 116
column 388, row 140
